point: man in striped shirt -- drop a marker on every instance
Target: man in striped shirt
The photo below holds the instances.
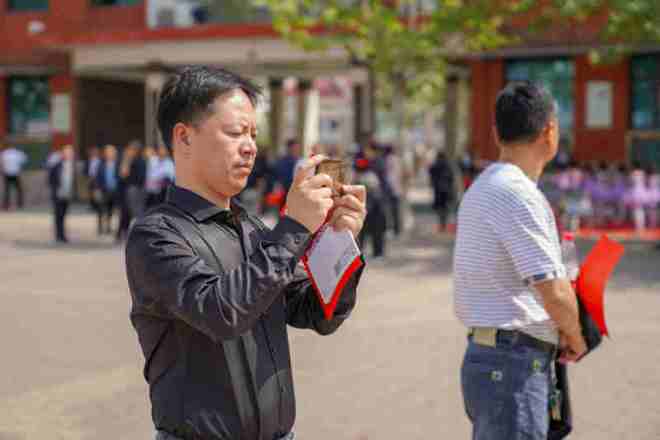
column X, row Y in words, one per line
column 511, row 289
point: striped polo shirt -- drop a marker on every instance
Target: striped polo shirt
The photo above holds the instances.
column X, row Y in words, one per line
column 506, row 242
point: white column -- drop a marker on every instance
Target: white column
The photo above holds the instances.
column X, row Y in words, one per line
column 152, row 88
column 276, row 116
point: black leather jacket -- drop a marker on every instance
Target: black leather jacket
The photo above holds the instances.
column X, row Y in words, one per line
column 214, row 333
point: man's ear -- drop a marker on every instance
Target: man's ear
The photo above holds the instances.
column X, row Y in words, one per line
column 550, row 131
column 181, row 138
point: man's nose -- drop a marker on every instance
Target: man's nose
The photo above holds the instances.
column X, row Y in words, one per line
column 249, row 147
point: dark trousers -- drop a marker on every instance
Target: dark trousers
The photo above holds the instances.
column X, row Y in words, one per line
column 395, row 213
column 441, row 206
column 60, row 208
column 106, row 208
column 373, row 230
column 506, row 390
column 15, row 183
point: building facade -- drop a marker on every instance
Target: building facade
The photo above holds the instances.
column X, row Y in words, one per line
column 608, row 111
column 88, row 72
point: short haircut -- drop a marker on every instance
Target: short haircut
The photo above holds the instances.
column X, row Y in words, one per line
column 522, row 110
column 188, row 96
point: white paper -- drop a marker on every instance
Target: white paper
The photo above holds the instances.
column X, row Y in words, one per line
column 329, row 258
column 599, row 104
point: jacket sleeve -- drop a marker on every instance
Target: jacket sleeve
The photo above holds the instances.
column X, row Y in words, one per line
column 303, row 308
column 164, row 271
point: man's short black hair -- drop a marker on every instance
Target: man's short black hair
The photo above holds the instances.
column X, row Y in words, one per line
column 187, row 96
column 522, row 110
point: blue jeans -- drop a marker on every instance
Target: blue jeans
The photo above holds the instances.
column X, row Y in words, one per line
column 506, row 390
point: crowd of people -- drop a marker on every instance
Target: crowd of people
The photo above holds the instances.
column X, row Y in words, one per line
column 599, row 196
column 604, row 195
column 127, row 181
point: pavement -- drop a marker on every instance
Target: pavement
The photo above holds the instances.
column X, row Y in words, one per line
column 72, row 369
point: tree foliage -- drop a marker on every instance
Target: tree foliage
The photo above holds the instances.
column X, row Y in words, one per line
column 407, row 43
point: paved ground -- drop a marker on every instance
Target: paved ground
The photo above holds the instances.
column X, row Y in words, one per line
column 71, row 369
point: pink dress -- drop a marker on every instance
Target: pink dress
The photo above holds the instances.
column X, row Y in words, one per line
column 637, row 194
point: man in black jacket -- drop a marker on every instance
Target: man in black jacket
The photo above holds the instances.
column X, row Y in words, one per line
column 213, row 289
column 61, row 178
column 107, row 184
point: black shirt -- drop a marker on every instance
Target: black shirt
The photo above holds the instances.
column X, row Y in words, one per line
column 215, row 340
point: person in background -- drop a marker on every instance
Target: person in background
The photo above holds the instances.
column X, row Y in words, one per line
column 62, row 187
column 165, row 170
column 600, row 196
column 152, row 180
column 133, row 175
column 619, row 181
column 394, row 176
column 91, row 169
column 574, row 197
column 375, row 223
column 107, row 184
column 653, row 196
column 54, row 157
column 12, row 162
column 442, row 180
column 636, row 197
column 286, row 165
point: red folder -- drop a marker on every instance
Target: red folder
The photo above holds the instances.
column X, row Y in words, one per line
column 329, row 307
column 594, row 274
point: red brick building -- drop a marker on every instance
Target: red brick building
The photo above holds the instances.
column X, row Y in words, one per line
column 608, row 111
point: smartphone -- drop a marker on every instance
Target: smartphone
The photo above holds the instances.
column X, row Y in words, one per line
column 336, row 169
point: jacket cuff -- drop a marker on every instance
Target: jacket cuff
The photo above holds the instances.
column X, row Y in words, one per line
column 292, row 235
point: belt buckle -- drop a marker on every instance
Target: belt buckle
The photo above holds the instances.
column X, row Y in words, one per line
column 485, row 336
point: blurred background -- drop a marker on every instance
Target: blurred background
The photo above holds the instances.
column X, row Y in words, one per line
column 404, row 91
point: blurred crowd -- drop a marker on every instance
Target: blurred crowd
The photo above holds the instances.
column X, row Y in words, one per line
column 120, row 183
column 604, row 195
column 595, row 195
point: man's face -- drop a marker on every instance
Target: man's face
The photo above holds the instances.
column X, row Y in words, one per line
column 110, row 153
column 223, row 146
column 67, row 153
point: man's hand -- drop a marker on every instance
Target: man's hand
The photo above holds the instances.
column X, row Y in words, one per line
column 573, row 347
column 350, row 209
column 310, row 196
column 560, row 302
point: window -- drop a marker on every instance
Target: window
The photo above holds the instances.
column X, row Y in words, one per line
column 115, row 2
column 558, row 76
column 28, row 5
column 29, row 106
column 645, row 111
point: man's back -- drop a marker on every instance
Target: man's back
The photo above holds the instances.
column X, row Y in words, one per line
column 491, row 267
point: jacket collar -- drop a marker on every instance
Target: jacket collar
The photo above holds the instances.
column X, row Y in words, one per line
column 197, row 206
